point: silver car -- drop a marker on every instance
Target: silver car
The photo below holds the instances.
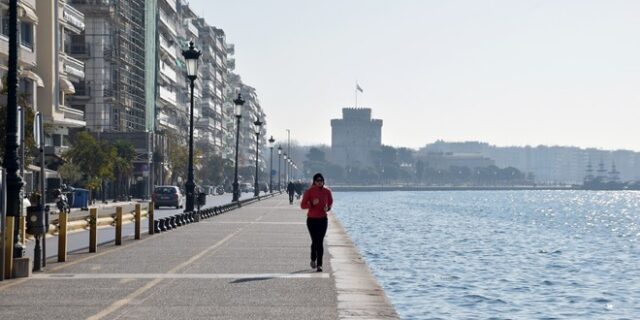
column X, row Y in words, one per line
column 167, row 196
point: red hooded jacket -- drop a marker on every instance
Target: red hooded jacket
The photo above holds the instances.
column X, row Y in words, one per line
column 323, row 194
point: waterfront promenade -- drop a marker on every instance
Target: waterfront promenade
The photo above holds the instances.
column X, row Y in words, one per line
column 248, row 263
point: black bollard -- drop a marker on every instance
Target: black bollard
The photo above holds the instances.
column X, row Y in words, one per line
column 161, row 225
column 172, row 221
column 184, row 219
column 167, row 223
column 156, row 226
column 178, row 222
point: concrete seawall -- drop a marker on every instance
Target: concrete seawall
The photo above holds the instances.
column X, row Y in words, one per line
column 358, row 292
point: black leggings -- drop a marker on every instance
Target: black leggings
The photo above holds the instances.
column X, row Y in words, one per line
column 317, row 230
column 290, row 197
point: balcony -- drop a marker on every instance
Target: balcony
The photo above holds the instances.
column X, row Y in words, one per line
column 172, row 5
column 207, row 103
column 231, row 48
column 206, row 124
column 167, row 47
column 26, row 57
column 168, row 23
column 192, row 28
column 73, row 117
column 73, row 19
column 165, row 121
column 73, row 67
column 168, row 72
column 83, row 91
column 168, row 96
column 231, row 64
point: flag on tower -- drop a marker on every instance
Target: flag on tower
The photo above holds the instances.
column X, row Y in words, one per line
column 358, row 88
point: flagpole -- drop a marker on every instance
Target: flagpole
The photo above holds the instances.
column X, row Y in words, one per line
column 356, row 97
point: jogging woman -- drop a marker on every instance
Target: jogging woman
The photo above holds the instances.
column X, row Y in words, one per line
column 318, row 200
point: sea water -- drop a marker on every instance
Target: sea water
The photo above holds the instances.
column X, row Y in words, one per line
column 500, row 254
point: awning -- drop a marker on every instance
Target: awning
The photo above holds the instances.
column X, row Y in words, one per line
column 48, row 172
column 28, row 13
column 33, row 76
column 66, row 86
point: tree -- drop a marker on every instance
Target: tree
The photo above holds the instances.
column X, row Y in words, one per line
column 122, row 153
column 70, row 173
column 178, row 156
column 212, row 171
column 93, row 159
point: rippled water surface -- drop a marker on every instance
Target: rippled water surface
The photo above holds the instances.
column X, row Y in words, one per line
column 501, row 254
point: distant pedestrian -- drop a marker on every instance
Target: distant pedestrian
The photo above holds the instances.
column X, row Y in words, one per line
column 299, row 188
column 318, row 200
column 291, row 189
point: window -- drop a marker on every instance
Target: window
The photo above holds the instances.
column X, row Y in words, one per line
column 26, row 34
column 57, row 140
column 4, row 20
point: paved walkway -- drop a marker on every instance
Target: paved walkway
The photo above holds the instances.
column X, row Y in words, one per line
column 249, row 263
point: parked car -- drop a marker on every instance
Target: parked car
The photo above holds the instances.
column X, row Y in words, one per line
column 220, row 190
column 210, row 190
column 167, row 196
column 246, row 187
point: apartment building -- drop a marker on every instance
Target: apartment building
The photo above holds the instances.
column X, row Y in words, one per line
column 29, row 79
column 251, row 111
column 113, row 49
column 213, row 79
column 118, row 76
column 61, row 73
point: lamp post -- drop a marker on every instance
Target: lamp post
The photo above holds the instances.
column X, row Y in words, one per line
column 191, row 56
column 257, row 126
column 238, row 112
column 14, row 181
column 271, row 141
column 286, row 163
column 279, row 173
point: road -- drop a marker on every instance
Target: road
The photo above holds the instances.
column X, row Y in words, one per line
column 80, row 240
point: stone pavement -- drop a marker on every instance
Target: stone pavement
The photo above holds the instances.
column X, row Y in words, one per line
column 249, row 263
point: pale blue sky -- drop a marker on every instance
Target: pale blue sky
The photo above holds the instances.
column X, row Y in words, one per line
column 554, row 72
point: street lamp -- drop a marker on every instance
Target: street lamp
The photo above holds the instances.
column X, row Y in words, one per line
column 238, row 112
column 279, row 173
column 191, row 56
column 14, row 182
column 271, row 141
column 286, row 163
column 257, row 126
